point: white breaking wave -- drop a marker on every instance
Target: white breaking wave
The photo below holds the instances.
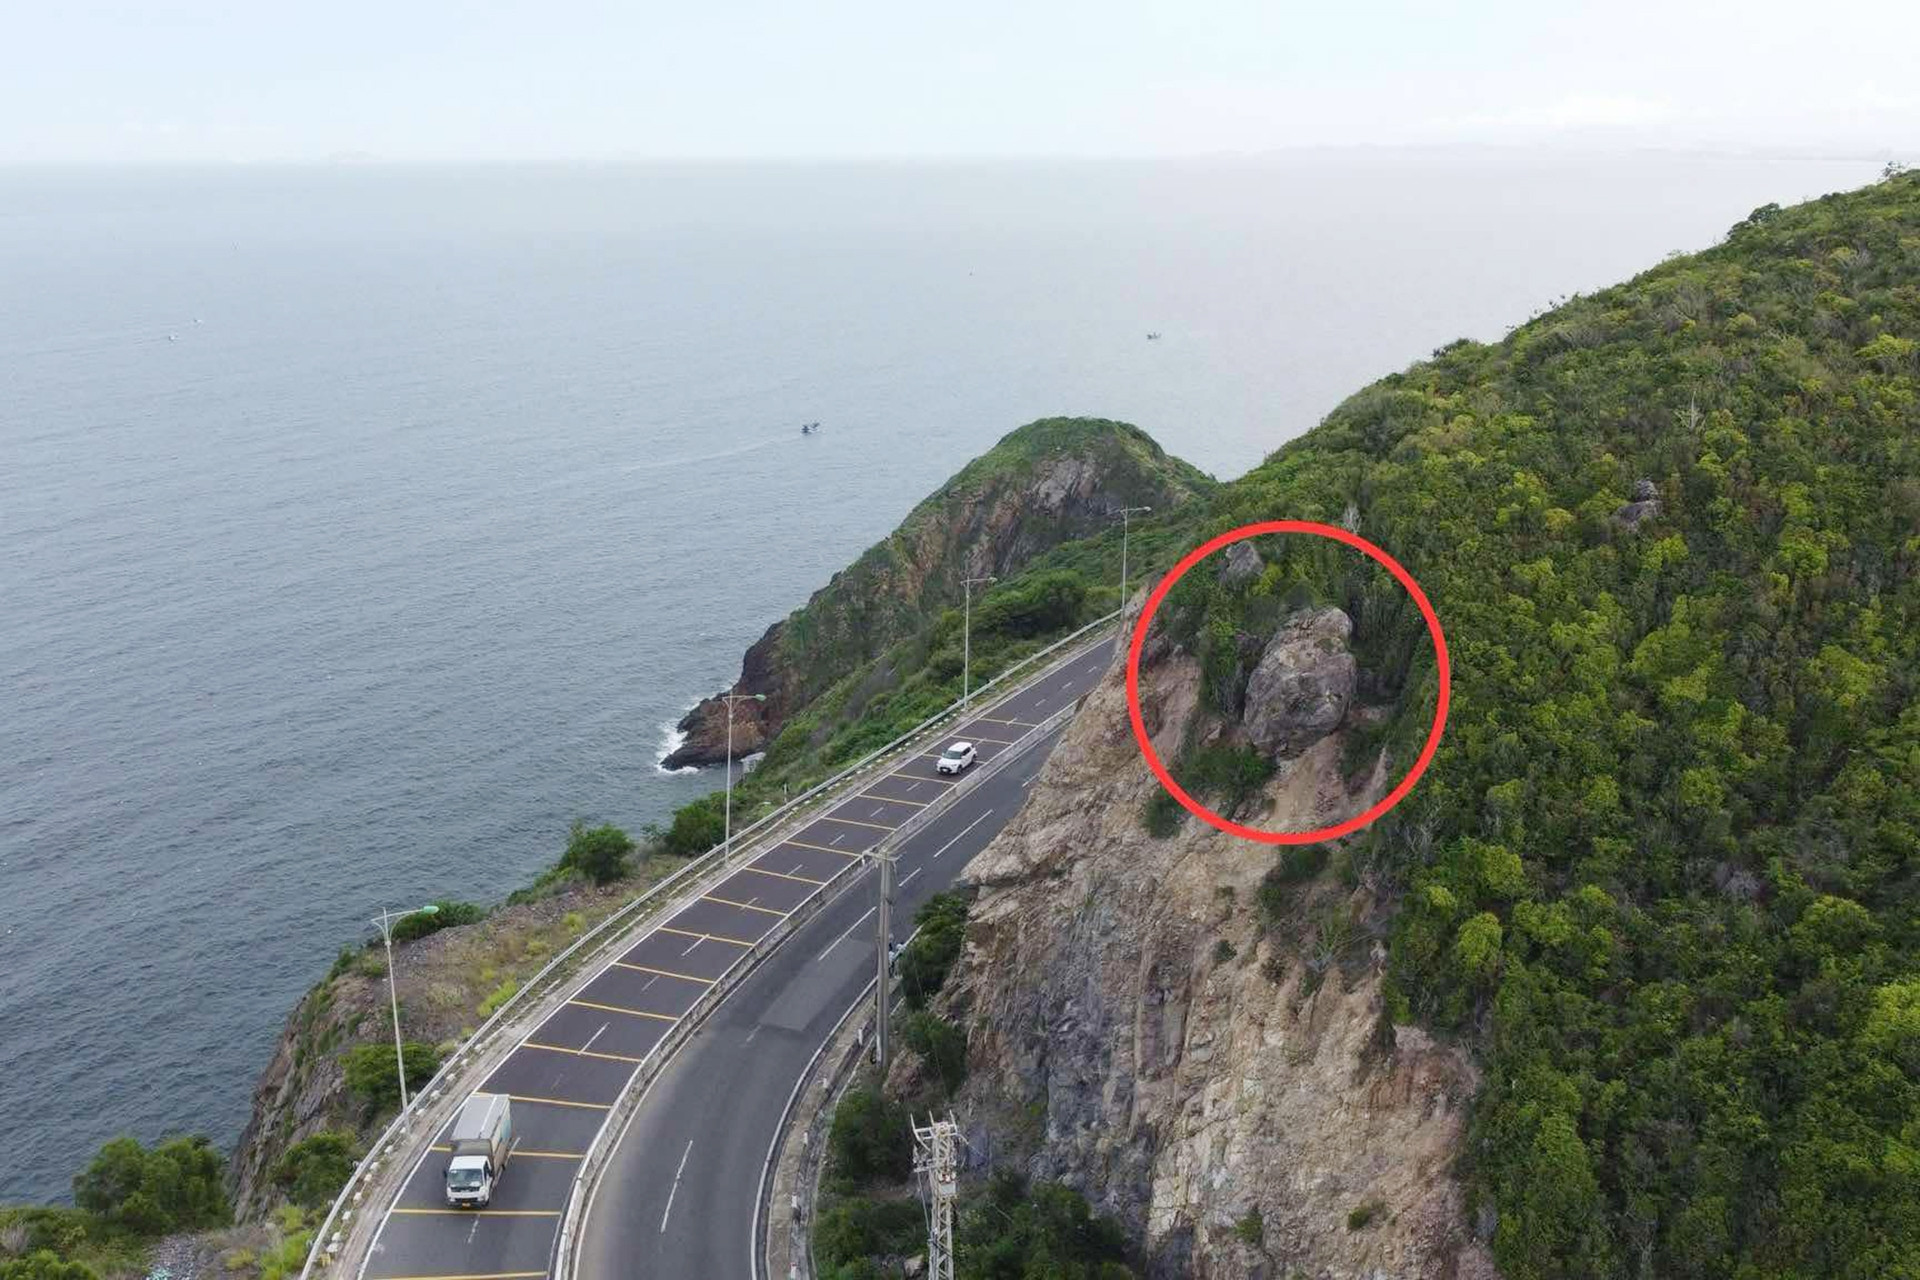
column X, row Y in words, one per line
column 671, row 739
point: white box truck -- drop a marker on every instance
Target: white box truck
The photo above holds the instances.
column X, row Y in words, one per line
column 482, row 1141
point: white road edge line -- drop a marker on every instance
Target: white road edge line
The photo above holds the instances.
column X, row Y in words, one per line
column 676, row 1185
column 843, row 937
column 956, row 840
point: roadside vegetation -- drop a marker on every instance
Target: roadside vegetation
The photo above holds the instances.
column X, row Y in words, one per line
column 870, row 1224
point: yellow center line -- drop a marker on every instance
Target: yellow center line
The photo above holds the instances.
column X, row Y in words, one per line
column 519, row 1154
column 762, row 871
column 802, row 844
column 562, row 1102
column 868, row 795
column 665, row 973
column 469, row 1275
column 704, row 937
column 484, row 1213
column 1018, row 724
column 972, row 737
column 632, row 1013
column 580, row 1053
column 856, row 822
column 915, row 777
column 745, row 906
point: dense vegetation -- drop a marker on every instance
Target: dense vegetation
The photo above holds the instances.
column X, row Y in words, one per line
column 1663, row 869
column 127, row 1197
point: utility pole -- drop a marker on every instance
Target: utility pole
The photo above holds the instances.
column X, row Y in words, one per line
column 883, row 951
column 726, row 839
column 936, row 1154
column 966, row 639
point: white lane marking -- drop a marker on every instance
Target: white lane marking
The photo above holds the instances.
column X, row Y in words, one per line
column 651, row 979
column 595, row 1036
column 877, row 811
column 751, row 1034
column 689, row 950
column 956, row 840
column 843, row 937
column 837, row 839
column 909, row 876
column 676, row 1185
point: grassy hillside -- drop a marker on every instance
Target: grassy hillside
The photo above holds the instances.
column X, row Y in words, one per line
column 1663, row 871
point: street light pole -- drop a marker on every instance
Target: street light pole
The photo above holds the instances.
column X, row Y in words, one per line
column 384, row 921
column 966, row 639
column 1125, row 514
column 726, row 839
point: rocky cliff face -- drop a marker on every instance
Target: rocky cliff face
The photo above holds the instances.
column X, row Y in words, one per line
column 1047, row 483
column 1231, row 1094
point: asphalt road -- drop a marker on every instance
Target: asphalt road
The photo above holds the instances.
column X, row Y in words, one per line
column 679, row 1196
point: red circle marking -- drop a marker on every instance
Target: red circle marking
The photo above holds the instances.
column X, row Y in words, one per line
column 1200, row 553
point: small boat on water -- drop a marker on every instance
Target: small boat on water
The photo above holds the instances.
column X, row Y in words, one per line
column 1154, row 336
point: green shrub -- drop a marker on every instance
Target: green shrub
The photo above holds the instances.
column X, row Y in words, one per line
column 871, row 1139
column 856, row 1229
column 372, row 1078
column 1045, row 1230
column 925, row 962
column 942, row 1045
column 1163, row 814
column 44, row 1265
column 1223, row 951
column 602, row 854
column 1363, row 1215
column 696, row 826
column 1251, row 1228
column 445, row 916
column 506, row 991
column 1233, row 775
column 312, row 1171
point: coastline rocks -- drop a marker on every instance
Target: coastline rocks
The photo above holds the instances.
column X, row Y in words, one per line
column 1300, row 690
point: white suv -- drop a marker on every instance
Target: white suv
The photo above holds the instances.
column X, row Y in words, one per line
column 957, row 757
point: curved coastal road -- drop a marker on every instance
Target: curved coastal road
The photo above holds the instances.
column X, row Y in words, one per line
column 679, row 1197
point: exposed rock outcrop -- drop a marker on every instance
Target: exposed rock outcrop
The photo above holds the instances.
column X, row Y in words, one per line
column 1300, row 690
column 1119, row 1046
column 1047, row 483
column 1645, row 505
column 1243, row 564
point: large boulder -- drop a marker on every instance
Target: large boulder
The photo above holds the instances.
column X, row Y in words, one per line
column 1243, row 564
column 1299, row 692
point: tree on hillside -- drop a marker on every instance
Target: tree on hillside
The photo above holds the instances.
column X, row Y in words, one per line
column 177, row 1186
column 599, row 853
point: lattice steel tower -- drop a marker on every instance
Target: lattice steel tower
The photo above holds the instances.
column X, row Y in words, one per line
column 936, row 1154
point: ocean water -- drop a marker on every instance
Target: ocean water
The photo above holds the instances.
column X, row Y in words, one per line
column 360, row 527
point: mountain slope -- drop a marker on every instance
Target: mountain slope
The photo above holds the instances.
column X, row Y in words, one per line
column 1661, row 878
column 1049, row 482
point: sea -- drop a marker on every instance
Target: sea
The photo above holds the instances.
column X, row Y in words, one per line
column 362, row 525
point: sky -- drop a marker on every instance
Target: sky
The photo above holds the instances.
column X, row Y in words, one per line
column 432, row 80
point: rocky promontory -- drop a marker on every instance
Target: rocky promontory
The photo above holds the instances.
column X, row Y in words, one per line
column 1047, row 483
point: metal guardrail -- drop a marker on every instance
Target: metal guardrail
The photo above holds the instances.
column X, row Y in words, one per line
column 600, row 1151
column 368, row 1177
